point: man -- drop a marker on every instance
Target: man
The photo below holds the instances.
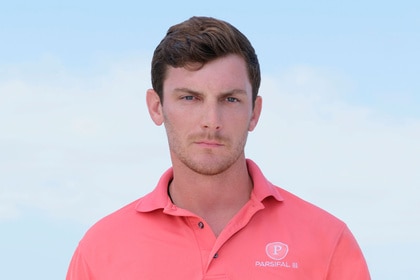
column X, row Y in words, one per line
column 213, row 215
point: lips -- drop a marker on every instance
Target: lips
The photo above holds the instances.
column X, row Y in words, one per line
column 207, row 143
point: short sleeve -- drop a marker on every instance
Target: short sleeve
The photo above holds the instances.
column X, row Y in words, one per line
column 78, row 268
column 348, row 262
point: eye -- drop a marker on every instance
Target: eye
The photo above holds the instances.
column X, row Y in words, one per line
column 188, row 97
column 232, row 99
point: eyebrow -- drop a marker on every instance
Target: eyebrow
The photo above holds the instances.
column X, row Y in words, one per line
column 186, row 90
column 191, row 91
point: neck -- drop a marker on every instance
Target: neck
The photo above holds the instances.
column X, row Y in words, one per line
column 215, row 198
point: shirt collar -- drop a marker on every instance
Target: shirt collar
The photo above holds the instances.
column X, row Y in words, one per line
column 159, row 198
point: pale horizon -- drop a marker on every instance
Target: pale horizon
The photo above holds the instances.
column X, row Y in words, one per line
column 340, row 125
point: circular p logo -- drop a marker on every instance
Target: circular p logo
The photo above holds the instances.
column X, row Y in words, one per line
column 276, row 250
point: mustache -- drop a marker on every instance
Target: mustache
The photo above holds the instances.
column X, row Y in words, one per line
column 208, row 137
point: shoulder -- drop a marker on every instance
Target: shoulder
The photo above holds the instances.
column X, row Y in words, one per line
column 302, row 212
column 111, row 225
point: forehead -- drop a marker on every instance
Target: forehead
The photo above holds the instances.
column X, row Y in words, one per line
column 222, row 74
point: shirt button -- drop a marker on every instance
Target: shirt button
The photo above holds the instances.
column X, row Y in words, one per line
column 201, row 225
column 216, row 256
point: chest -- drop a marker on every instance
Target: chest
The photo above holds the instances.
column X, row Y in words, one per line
column 188, row 249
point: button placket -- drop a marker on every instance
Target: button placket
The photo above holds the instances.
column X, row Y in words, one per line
column 204, row 237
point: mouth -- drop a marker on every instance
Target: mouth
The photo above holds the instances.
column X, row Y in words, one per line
column 209, row 144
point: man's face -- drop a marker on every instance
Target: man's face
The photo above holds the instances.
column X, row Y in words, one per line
column 207, row 114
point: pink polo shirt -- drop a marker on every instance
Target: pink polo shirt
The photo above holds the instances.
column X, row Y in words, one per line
column 276, row 235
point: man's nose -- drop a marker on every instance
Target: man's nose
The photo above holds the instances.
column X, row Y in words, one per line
column 212, row 116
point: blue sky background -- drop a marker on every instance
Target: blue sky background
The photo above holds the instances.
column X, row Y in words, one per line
column 340, row 124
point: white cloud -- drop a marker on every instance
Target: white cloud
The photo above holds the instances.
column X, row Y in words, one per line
column 79, row 146
column 69, row 140
column 357, row 162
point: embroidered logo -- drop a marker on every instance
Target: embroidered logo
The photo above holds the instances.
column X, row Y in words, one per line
column 277, row 250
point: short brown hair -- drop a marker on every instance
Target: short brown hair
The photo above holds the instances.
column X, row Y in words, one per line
column 200, row 40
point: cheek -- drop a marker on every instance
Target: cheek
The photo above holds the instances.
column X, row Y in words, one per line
column 241, row 121
column 177, row 125
column 183, row 118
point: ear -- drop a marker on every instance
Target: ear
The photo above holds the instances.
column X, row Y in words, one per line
column 154, row 106
column 256, row 112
